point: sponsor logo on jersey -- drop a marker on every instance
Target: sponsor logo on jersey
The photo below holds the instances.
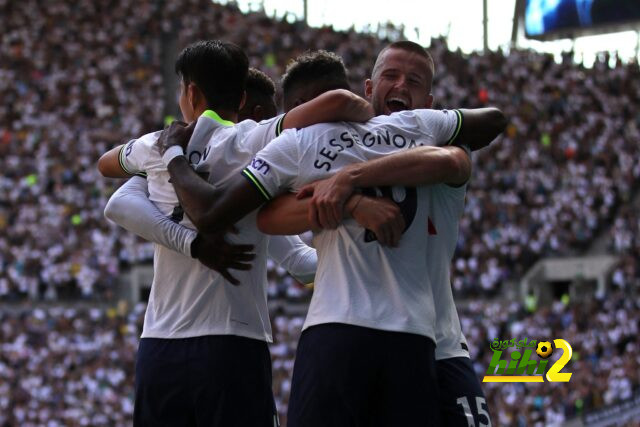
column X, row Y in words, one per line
column 260, row 165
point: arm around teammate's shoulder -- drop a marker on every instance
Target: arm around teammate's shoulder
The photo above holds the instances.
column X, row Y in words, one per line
column 480, row 127
column 332, row 106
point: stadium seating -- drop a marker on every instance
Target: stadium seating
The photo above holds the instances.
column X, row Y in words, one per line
column 77, row 79
column 74, row 365
column 565, row 164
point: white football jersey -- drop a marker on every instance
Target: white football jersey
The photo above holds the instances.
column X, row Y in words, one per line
column 234, row 153
column 358, row 281
column 446, row 206
column 187, row 299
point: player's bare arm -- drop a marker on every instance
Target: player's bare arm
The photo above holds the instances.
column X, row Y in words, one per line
column 334, row 105
column 288, row 215
column 480, row 127
column 143, row 219
column 420, row 166
column 211, row 209
column 109, row 164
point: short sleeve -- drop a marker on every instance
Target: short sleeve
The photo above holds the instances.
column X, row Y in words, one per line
column 263, row 133
column 133, row 155
column 444, row 125
column 274, row 169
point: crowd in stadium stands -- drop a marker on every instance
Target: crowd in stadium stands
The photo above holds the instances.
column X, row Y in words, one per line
column 68, row 367
column 83, row 77
column 74, row 366
column 625, row 241
column 77, row 79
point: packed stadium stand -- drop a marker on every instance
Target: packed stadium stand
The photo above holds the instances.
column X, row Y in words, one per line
column 78, row 78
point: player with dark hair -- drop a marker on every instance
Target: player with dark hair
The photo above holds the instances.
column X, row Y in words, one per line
column 214, row 70
column 310, row 74
column 366, row 355
column 196, row 323
column 203, row 348
column 401, row 80
column 340, row 326
column 260, row 104
column 130, row 207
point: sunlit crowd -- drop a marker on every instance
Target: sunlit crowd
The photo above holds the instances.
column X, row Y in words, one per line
column 79, row 78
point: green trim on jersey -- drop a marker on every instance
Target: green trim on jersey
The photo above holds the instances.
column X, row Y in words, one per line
column 247, row 174
column 279, row 125
column 456, row 132
column 121, row 157
column 214, row 116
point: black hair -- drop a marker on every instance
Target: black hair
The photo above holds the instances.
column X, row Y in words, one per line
column 260, row 92
column 259, row 86
column 218, row 68
column 320, row 66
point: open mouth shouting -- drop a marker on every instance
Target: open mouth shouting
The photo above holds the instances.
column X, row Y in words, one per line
column 397, row 103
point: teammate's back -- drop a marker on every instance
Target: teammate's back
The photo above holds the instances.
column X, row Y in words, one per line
column 359, row 282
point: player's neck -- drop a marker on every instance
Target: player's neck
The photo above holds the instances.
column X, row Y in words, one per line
column 232, row 116
column 224, row 114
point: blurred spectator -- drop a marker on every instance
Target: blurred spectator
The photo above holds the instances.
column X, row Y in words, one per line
column 63, row 366
column 72, row 89
column 77, row 79
column 74, row 366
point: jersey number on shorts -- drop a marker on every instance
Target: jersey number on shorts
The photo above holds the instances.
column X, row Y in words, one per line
column 480, row 405
column 405, row 197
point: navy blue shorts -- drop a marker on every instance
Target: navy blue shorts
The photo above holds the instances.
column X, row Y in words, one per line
column 216, row 380
column 462, row 400
column 347, row 375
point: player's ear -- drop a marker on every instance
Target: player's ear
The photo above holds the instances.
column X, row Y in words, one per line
column 193, row 96
column 368, row 88
column 243, row 100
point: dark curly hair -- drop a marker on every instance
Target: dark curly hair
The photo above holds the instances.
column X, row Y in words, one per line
column 325, row 70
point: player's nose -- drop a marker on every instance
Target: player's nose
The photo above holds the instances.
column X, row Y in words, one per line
column 401, row 82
